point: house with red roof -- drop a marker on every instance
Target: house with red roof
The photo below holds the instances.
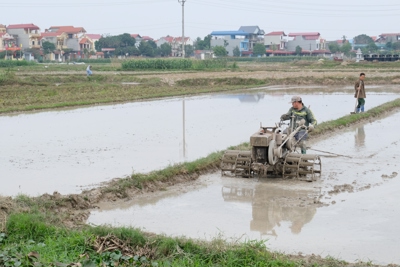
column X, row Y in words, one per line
column 57, row 38
column 26, row 35
column 8, row 43
column 175, row 43
column 72, row 38
column 310, row 42
column 275, row 40
column 136, row 36
column 388, row 37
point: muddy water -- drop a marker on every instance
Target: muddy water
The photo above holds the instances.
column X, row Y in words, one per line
column 350, row 213
column 67, row 150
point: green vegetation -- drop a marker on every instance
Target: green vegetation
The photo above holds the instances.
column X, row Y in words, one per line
column 355, row 118
column 15, row 63
column 220, row 51
column 259, row 50
column 298, row 50
column 204, row 44
column 31, row 242
column 274, row 59
column 173, row 64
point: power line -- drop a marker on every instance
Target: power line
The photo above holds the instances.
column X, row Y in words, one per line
column 295, row 10
column 78, row 4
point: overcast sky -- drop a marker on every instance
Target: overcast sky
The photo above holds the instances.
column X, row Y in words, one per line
column 157, row 18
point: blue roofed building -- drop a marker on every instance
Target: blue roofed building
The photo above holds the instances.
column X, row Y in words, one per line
column 245, row 38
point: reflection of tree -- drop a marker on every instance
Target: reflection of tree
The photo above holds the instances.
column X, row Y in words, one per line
column 360, row 137
column 271, row 206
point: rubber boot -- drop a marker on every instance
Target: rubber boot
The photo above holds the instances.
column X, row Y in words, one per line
column 362, row 108
column 303, row 151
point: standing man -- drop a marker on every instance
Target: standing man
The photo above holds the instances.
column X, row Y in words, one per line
column 89, row 70
column 360, row 93
column 299, row 111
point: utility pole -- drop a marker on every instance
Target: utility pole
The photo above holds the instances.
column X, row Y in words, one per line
column 182, row 2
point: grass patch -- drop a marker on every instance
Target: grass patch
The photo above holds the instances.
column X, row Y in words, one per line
column 31, row 242
column 347, row 120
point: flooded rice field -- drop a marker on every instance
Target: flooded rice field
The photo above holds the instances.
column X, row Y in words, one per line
column 351, row 212
column 68, row 150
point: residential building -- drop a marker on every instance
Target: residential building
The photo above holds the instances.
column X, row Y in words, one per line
column 275, row 40
column 58, row 39
column 203, row 54
column 175, row 43
column 231, row 40
column 256, row 35
column 94, row 38
column 244, row 39
column 25, row 35
column 73, row 36
column 138, row 39
column 388, row 37
column 8, row 44
column 308, row 41
column 147, row 38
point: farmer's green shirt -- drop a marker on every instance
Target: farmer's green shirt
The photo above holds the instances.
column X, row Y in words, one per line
column 304, row 113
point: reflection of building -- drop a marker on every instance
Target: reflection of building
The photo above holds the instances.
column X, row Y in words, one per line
column 272, row 205
column 255, row 97
column 251, row 97
column 359, row 137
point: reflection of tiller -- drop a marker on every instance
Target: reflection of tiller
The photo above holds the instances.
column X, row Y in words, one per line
column 273, row 151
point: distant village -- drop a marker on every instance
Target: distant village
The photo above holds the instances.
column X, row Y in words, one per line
column 27, row 41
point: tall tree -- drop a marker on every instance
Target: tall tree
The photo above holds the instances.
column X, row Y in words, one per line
column 189, row 50
column 152, row 44
column 146, row 49
column 122, row 40
column 48, row 47
column 165, row 50
column 204, row 44
column 372, row 47
column 396, row 46
column 259, row 50
column 334, row 47
column 362, row 39
column 298, row 50
column 236, row 52
column 127, row 40
column 219, row 51
column 345, row 48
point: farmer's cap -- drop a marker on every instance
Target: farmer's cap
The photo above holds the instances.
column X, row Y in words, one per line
column 295, row 98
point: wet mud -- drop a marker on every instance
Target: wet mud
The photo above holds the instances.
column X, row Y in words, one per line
column 350, row 213
column 75, row 149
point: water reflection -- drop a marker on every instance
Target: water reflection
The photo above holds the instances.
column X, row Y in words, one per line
column 272, row 205
column 87, row 146
column 251, row 97
column 359, row 137
column 246, row 98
